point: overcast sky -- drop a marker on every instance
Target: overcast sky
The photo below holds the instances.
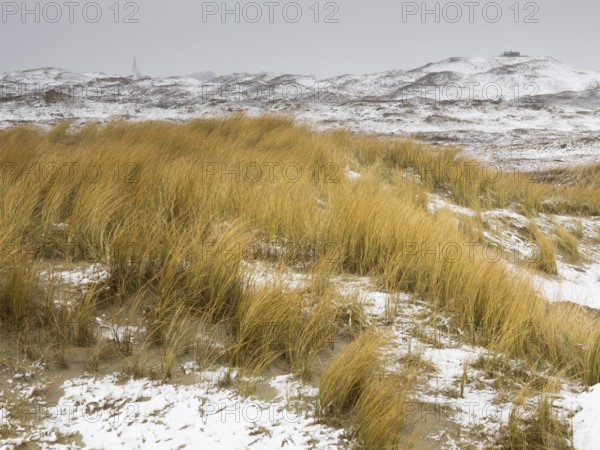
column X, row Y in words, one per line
column 350, row 36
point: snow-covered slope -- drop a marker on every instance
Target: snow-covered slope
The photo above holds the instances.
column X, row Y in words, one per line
column 510, row 111
column 546, row 76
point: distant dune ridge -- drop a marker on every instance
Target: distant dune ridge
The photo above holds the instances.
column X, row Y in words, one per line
column 533, row 109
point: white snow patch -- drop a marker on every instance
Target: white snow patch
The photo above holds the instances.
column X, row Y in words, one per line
column 352, row 175
column 92, row 274
column 437, row 203
column 149, row 415
column 573, row 284
column 586, row 423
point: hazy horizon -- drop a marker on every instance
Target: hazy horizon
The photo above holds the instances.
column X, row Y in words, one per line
column 322, row 39
column 217, row 74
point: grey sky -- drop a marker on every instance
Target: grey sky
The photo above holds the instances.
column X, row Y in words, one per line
column 171, row 38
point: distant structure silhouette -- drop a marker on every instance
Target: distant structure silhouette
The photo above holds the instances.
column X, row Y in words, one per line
column 511, row 54
column 135, row 73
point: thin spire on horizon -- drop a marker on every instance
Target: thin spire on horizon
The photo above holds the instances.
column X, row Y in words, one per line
column 134, row 70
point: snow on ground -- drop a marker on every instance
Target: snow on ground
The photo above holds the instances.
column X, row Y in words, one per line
column 115, row 412
column 586, row 423
column 116, row 332
column 435, row 400
column 438, row 203
column 111, row 413
column 478, row 413
column 80, row 275
column 452, row 420
column 145, row 414
column 261, row 274
column 92, row 274
column 579, row 284
column 71, row 280
column 352, row 175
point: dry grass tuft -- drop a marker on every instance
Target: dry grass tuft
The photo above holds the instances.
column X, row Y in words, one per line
column 567, row 242
column 544, row 258
column 344, row 381
column 538, row 429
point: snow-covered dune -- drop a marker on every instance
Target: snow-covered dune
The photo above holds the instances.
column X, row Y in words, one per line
column 504, row 110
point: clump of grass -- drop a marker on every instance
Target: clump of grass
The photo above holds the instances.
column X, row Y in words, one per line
column 473, row 227
column 139, row 366
column 212, row 344
column 380, row 411
column 464, row 377
column 593, row 359
column 578, row 225
column 540, row 429
column 346, row 378
column 178, row 341
column 18, row 293
column 354, row 386
column 353, row 318
column 508, row 373
column 83, row 318
column 276, row 323
column 567, row 242
column 415, row 360
column 124, row 336
column 544, row 258
column 58, row 133
column 93, row 362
